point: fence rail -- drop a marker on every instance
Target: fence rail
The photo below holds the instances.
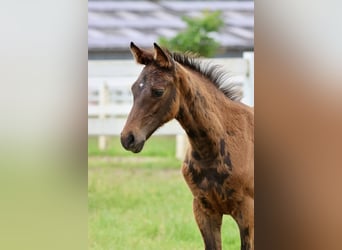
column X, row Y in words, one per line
column 110, row 98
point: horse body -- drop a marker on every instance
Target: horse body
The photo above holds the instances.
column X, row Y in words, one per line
column 219, row 164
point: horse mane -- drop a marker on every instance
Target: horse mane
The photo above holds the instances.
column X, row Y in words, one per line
column 215, row 73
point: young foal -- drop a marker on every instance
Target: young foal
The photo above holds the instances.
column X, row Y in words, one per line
column 219, row 166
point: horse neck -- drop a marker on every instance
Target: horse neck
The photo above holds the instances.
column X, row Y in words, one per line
column 201, row 112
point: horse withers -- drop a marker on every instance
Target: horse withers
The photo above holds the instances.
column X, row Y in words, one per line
column 219, row 164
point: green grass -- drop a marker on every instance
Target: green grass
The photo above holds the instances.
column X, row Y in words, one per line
column 158, row 152
column 156, row 146
column 143, row 202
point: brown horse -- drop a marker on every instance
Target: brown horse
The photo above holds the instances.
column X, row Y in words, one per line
column 219, row 165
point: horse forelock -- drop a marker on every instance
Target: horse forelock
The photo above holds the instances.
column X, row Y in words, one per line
column 216, row 74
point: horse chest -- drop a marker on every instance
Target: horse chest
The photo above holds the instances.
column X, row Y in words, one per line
column 205, row 179
column 211, row 187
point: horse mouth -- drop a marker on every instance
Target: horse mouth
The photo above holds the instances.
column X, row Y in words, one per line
column 137, row 147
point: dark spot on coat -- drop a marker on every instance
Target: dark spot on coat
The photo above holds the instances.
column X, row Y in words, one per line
column 191, row 166
column 180, row 114
column 211, row 174
column 191, row 133
column 220, row 192
column 244, row 235
column 228, row 162
column 222, row 147
column 230, row 192
column 188, row 95
column 196, row 155
column 202, row 133
column 206, row 203
column 145, row 79
column 246, row 232
column 245, row 245
column 202, row 100
column 192, row 110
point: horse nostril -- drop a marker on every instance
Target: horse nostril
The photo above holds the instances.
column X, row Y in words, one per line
column 130, row 139
column 127, row 141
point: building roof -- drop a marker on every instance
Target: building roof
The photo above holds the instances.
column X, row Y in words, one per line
column 112, row 25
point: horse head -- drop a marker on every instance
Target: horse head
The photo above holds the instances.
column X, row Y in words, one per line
column 155, row 97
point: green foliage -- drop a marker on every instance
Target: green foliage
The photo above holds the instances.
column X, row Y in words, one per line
column 195, row 37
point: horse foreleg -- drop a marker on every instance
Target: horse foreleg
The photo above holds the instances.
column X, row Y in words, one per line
column 209, row 224
column 245, row 221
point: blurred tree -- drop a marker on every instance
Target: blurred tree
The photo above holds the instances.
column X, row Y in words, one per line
column 195, row 37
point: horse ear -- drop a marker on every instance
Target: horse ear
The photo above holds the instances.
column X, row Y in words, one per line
column 162, row 58
column 141, row 56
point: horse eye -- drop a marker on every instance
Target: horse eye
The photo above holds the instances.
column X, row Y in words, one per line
column 157, row 92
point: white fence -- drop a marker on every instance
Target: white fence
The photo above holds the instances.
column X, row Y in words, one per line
column 110, row 98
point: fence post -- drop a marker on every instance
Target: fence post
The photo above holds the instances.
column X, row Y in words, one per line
column 249, row 86
column 181, row 146
column 103, row 101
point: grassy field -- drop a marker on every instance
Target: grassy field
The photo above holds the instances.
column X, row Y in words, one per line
column 142, row 202
column 155, row 146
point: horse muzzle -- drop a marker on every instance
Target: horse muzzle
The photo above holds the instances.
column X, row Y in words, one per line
column 132, row 142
